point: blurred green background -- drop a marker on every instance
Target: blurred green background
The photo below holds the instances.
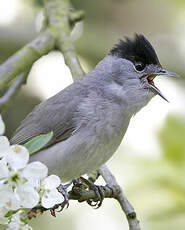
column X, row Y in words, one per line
column 150, row 163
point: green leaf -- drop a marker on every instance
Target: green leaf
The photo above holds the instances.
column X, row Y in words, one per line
column 38, row 142
column 10, row 213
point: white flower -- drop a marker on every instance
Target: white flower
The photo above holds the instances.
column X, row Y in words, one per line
column 17, row 157
column 50, row 194
column 13, row 158
column 18, row 179
column 23, row 185
column 18, row 187
column 11, row 176
column 2, row 126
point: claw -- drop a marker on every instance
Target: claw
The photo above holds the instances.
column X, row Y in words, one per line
column 99, row 191
column 63, row 190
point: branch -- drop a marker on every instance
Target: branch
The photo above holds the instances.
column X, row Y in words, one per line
column 26, row 56
column 60, row 16
column 120, row 197
column 83, row 192
column 13, row 89
column 78, row 192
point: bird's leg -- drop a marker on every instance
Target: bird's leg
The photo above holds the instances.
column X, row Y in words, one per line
column 99, row 191
column 93, row 176
column 83, row 184
column 63, row 190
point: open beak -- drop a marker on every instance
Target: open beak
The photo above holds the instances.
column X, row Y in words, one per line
column 151, row 83
column 165, row 72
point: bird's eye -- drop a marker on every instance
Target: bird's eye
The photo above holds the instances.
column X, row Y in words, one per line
column 140, row 66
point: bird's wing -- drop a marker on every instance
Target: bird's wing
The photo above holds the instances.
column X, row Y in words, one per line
column 55, row 114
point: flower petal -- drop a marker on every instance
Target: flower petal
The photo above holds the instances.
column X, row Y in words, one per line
column 3, row 211
column 51, row 182
column 35, row 170
column 4, row 145
column 8, row 198
column 51, row 198
column 28, row 196
column 18, row 157
column 13, row 203
column 2, row 126
column 5, row 194
column 3, row 169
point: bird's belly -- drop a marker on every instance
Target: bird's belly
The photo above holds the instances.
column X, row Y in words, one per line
column 80, row 154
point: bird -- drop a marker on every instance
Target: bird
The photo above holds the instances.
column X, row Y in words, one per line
column 89, row 118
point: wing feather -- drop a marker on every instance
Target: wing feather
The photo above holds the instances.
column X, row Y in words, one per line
column 55, row 114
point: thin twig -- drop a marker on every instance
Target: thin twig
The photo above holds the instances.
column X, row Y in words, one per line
column 13, row 89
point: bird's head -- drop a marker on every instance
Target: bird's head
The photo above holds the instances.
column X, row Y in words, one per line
column 140, row 61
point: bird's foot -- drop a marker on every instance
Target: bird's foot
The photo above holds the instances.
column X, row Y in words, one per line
column 99, row 192
column 63, row 190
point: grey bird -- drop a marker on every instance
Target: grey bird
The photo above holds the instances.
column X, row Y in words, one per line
column 90, row 117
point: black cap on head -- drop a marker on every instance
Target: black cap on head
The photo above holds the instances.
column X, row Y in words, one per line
column 135, row 50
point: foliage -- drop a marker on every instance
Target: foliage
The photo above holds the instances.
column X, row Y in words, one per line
column 172, row 138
